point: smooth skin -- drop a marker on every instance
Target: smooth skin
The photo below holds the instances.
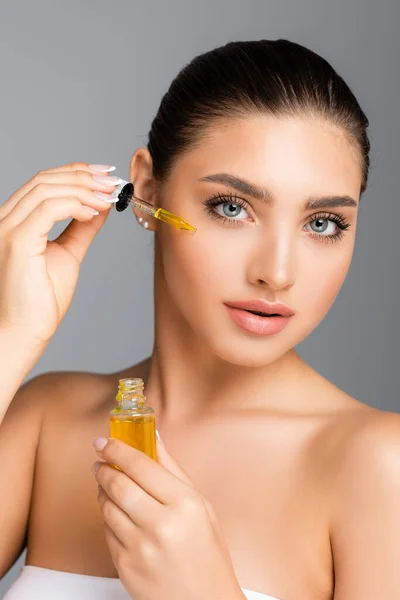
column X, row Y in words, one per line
column 303, row 479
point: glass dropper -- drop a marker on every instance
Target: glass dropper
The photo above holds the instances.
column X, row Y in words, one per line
column 125, row 194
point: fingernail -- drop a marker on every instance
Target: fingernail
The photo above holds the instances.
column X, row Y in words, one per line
column 105, row 197
column 159, row 438
column 91, row 210
column 108, row 180
column 101, row 168
column 96, row 466
column 99, row 442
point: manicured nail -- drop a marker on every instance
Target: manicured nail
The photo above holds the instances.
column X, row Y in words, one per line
column 101, row 168
column 99, row 442
column 91, row 210
column 108, row 180
column 159, row 438
column 105, row 197
column 96, row 466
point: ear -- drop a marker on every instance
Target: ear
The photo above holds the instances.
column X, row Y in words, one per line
column 141, row 175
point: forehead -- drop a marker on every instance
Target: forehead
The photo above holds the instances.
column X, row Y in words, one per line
column 280, row 152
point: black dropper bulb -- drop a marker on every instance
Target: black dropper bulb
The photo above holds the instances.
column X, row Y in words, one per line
column 124, row 197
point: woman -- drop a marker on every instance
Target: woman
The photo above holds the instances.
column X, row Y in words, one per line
column 263, row 147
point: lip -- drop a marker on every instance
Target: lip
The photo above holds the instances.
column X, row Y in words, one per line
column 256, row 324
column 264, row 306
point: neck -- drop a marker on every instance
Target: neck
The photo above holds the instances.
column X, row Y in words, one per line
column 185, row 381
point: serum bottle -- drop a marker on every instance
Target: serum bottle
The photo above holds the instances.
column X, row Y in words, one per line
column 133, row 421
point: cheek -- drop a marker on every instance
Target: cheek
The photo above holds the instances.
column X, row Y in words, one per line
column 323, row 281
column 200, row 267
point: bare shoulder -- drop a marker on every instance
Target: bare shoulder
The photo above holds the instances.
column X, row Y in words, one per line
column 368, row 443
column 363, row 493
column 359, row 431
column 61, row 391
column 356, row 432
column 361, row 447
column 353, row 440
column 77, row 392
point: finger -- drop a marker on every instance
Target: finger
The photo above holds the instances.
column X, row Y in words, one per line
column 24, row 189
column 76, row 166
column 116, row 519
column 141, row 508
column 115, row 545
column 33, row 231
column 157, row 481
column 81, row 175
column 77, row 236
column 82, row 187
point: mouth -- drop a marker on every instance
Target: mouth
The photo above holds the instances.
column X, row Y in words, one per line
column 263, row 308
column 257, row 322
column 261, row 314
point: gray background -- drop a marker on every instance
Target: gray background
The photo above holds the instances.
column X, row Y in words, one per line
column 82, row 80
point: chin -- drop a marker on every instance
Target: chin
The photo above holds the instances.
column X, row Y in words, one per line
column 246, row 350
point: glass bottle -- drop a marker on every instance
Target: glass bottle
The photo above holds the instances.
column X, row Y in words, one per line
column 133, row 421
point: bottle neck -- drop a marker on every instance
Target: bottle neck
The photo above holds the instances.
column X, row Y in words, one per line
column 130, row 393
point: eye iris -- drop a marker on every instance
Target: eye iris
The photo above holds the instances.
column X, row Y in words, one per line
column 231, row 213
column 322, row 224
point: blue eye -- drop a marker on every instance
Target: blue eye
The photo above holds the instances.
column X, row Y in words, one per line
column 225, row 207
column 233, row 209
column 329, row 228
column 229, row 209
column 321, row 225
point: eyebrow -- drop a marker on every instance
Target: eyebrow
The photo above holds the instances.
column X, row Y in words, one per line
column 265, row 196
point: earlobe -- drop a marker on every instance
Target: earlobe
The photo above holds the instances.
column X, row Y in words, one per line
column 143, row 223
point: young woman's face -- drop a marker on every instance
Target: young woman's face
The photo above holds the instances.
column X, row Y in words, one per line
column 244, row 249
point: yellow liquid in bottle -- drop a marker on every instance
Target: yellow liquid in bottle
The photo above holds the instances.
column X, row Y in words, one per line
column 137, row 431
column 133, row 421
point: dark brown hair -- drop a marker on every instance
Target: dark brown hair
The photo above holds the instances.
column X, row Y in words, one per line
column 278, row 77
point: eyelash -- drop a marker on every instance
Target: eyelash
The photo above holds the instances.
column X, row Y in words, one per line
column 227, row 198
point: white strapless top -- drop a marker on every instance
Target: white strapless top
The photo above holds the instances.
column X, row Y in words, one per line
column 38, row 583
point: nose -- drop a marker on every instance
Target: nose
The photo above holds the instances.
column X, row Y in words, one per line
column 273, row 262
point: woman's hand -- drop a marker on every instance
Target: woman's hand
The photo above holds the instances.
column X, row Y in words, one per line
column 38, row 277
column 163, row 536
